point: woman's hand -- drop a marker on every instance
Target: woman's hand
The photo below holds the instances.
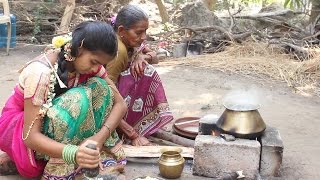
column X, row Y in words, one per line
column 86, row 157
column 137, row 66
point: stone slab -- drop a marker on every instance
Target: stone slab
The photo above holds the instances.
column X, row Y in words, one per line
column 271, row 153
column 217, row 158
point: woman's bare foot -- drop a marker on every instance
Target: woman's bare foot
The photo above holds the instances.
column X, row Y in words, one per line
column 142, row 141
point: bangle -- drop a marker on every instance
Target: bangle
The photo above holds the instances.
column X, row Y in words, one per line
column 107, row 126
column 69, row 153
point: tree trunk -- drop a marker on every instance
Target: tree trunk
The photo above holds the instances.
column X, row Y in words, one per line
column 153, row 151
column 315, row 11
column 124, row 2
column 67, row 16
column 163, row 11
column 210, row 4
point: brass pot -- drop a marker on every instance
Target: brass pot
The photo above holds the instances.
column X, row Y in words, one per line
column 171, row 162
column 241, row 121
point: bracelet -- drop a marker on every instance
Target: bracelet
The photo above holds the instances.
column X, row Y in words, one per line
column 69, row 153
column 107, row 126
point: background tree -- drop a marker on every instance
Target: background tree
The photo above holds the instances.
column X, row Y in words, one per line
column 67, row 16
column 124, row 2
column 210, row 4
column 315, row 11
column 163, row 11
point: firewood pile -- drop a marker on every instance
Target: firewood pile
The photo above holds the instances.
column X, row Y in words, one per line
column 275, row 44
column 192, row 23
column 36, row 18
column 38, row 21
column 273, row 25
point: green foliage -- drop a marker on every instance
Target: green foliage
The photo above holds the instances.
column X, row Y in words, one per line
column 167, row 27
column 293, row 3
column 37, row 20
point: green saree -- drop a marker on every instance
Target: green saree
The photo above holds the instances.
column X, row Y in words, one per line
column 76, row 115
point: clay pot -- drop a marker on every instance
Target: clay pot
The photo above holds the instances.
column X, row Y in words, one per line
column 171, row 162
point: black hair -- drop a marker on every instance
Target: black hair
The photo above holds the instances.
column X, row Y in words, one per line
column 128, row 16
column 92, row 36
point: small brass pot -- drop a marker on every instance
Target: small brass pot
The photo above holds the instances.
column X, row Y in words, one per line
column 242, row 122
column 171, row 162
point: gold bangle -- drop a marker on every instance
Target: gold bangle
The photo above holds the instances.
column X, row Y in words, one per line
column 107, row 126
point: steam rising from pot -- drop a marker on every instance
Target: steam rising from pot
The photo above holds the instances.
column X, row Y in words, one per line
column 243, row 100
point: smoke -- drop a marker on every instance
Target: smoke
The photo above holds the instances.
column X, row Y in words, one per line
column 244, row 99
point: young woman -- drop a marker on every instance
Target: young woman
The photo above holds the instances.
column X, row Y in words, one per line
column 64, row 101
column 137, row 80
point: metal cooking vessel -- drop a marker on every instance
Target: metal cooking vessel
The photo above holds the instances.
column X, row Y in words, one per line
column 171, row 162
column 242, row 121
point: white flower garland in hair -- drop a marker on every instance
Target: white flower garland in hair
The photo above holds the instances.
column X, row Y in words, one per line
column 51, row 94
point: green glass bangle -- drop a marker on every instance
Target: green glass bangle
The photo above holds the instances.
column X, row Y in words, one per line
column 69, row 153
column 65, row 154
column 73, row 153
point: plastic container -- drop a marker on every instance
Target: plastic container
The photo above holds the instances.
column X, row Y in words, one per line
column 4, row 32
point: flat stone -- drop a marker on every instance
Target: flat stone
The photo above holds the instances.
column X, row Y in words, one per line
column 271, row 153
column 217, row 158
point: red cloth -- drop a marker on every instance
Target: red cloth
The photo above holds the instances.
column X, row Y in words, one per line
column 148, row 109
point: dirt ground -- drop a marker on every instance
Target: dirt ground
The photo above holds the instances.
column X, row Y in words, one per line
column 197, row 91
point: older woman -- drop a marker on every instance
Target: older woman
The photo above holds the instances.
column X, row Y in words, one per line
column 137, row 80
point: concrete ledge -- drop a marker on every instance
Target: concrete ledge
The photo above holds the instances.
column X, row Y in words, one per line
column 271, row 152
column 217, row 158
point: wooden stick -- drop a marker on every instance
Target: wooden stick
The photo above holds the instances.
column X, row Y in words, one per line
column 162, row 142
column 153, row 151
column 186, row 122
column 174, row 138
